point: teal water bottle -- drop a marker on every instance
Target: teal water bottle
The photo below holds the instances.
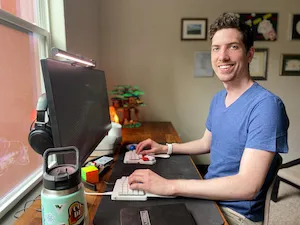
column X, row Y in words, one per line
column 62, row 197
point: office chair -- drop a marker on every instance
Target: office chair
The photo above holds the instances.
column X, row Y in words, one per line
column 270, row 190
column 288, row 173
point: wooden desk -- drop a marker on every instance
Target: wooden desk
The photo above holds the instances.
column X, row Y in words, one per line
column 158, row 131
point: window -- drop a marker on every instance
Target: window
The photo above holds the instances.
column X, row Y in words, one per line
column 20, row 8
column 24, row 40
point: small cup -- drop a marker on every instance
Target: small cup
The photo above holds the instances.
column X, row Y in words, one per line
column 116, row 130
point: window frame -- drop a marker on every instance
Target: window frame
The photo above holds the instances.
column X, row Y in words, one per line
column 18, row 192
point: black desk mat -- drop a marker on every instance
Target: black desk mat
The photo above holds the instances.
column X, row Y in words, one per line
column 176, row 167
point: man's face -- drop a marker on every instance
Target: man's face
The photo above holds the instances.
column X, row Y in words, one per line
column 228, row 55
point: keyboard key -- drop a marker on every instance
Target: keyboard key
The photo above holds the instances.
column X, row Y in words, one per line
column 122, row 191
column 132, row 158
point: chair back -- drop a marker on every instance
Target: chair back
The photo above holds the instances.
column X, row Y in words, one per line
column 269, row 192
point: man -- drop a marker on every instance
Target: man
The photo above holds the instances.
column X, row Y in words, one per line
column 245, row 130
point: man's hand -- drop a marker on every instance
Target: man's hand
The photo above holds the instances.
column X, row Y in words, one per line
column 151, row 146
column 149, row 181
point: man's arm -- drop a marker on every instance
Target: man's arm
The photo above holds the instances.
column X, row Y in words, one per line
column 242, row 186
column 245, row 185
column 200, row 146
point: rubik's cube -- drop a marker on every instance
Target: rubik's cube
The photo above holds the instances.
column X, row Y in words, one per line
column 90, row 174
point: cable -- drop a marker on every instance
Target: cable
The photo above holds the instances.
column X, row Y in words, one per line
column 25, row 207
column 109, row 183
column 101, row 194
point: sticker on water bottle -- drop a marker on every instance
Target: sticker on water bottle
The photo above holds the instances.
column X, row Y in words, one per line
column 59, row 208
column 50, row 219
column 76, row 212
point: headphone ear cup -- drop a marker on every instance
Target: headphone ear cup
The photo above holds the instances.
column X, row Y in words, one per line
column 40, row 138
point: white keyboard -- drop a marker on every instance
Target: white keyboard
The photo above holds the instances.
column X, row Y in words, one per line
column 123, row 192
column 132, row 158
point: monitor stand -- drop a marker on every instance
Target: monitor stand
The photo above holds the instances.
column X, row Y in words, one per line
column 107, row 146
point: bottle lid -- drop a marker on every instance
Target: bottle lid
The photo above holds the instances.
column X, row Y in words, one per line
column 61, row 177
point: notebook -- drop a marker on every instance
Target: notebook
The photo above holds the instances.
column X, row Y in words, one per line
column 175, row 214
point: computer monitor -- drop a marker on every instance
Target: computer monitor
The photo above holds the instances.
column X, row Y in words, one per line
column 78, row 106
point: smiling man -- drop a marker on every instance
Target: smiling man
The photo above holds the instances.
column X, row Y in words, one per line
column 245, row 130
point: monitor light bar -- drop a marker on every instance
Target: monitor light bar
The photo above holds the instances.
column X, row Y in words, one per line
column 74, row 57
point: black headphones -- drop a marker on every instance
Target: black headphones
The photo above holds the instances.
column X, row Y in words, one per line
column 40, row 135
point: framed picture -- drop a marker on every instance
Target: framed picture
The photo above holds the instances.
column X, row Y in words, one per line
column 203, row 67
column 193, row 29
column 295, row 34
column 259, row 64
column 290, row 64
column 264, row 25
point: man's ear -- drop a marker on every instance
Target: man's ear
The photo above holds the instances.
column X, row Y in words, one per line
column 250, row 54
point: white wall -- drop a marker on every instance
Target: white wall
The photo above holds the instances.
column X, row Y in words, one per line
column 138, row 42
column 82, row 27
column 57, row 24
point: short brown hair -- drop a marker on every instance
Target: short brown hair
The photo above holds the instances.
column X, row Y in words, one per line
column 232, row 20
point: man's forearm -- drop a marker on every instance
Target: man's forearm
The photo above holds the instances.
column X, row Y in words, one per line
column 226, row 188
column 192, row 147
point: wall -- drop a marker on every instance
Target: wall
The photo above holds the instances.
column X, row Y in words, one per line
column 57, row 24
column 138, row 42
column 82, row 27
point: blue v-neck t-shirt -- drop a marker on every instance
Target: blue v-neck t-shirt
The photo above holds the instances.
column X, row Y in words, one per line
column 257, row 120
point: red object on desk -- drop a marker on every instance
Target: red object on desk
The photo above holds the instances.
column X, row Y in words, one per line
column 145, row 158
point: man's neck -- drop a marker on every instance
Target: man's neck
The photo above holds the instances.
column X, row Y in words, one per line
column 236, row 88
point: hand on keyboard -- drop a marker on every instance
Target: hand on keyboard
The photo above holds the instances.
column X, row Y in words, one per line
column 149, row 146
column 151, row 182
column 123, row 192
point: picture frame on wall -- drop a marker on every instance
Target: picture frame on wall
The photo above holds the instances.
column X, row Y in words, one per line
column 259, row 64
column 295, row 31
column 193, row 29
column 202, row 64
column 290, row 65
column 264, row 25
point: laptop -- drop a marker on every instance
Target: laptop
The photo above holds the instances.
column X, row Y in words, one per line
column 175, row 214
